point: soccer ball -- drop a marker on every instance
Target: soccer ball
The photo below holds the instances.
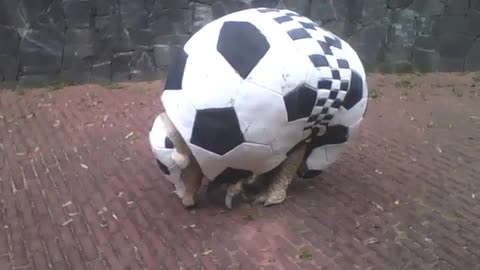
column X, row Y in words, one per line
column 250, row 86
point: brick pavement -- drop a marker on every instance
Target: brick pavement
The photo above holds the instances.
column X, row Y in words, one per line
column 79, row 188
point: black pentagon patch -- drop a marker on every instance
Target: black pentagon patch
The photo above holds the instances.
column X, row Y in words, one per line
column 163, row 168
column 300, row 102
column 242, row 45
column 231, row 176
column 324, row 111
column 175, row 72
column 217, row 130
column 334, row 135
column 168, row 143
column 355, row 93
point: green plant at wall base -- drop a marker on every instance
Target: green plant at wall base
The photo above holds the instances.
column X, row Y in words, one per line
column 110, row 85
column 404, row 83
column 21, row 91
column 305, row 254
column 476, row 77
column 60, row 84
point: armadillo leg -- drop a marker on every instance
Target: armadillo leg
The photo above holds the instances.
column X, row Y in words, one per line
column 277, row 191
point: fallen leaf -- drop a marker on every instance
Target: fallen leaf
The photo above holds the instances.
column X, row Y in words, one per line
column 120, row 194
column 129, row 135
column 67, row 204
column 439, row 150
column 74, row 214
column 207, row 252
column 192, row 226
column 397, row 202
column 370, row 241
column 377, row 171
column 84, row 166
column 377, row 205
column 130, row 202
column 114, row 216
column 67, row 222
column 56, row 124
column 105, row 118
column 126, row 159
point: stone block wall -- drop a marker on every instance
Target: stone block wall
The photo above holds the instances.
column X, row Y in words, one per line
column 80, row 41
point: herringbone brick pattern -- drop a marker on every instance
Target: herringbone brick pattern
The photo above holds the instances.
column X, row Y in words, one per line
column 79, row 188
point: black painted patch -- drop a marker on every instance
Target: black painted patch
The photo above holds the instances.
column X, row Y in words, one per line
column 337, row 103
column 333, row 94
column 344, row 86
column 325, row 47
column 242, row 45
column 313, row 118
column 334, row 42
column 336, row 74
column 319, row 60
column 334, row 135
column 321, row 102
column 217, row 130
column 176, row 71
column 231, row 176
column 308, row 25
column 163, row 168
column 299, row 103
column 328, row 117
column 342, row 63
column 169, row 143
column 355, row 93
column 299, row 33
column 324, row 111
column 324, row 84
column 283, row 19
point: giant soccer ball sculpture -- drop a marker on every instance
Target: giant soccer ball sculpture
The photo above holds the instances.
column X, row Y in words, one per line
column 251, row 87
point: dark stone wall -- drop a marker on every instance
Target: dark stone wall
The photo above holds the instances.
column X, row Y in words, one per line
column 117, row 40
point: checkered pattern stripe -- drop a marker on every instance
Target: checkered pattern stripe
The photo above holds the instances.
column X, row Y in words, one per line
column 333, row 70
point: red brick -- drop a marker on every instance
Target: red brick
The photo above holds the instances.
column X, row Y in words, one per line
column 75, row 260
column 97, row 265
column 89, row 251
column 5, row 262
column 39, row 261
column 4, row 247
column 54, row 250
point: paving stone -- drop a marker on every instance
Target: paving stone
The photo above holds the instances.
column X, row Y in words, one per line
column 404, row 220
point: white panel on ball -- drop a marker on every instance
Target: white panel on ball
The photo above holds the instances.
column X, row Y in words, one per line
column 180, row 111
column 261, row 113
column 209, row 81
column 260, row 158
